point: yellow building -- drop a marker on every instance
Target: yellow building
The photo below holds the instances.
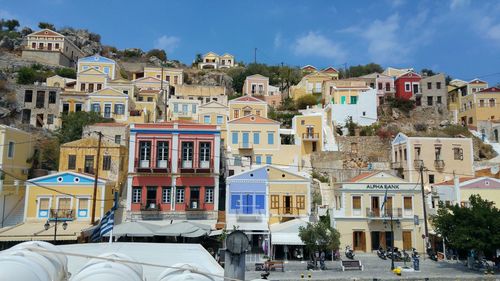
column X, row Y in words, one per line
column 311, row 84
column 80, row 156
column 101, row 64
column 66, row 196
column 309, row 131
column 214, row 113
column 440, row 157
column 253, row 141
column 182, row 109
column 212, row 60
column 364, row 220
column 345, row 91
column 109, row 103
column 90, row 80
column 480, row 106
column 174, row 76
column 247, row 105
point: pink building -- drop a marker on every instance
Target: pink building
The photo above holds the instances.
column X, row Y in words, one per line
column 173, row 171
column 384, row 84
column 258, row 86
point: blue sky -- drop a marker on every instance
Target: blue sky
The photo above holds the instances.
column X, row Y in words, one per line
column 458, row 37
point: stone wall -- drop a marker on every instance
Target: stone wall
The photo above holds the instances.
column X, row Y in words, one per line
column 52, row 58
column 371, row 149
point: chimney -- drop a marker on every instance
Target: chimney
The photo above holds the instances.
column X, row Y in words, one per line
column 456, row 189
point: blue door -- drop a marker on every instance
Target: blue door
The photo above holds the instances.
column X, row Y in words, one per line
column 247, row 203
column 245, row 140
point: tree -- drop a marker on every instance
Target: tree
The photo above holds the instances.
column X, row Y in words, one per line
column 46, row 25
column 46, row 154
column 320, row 236
column 11, row 24
column 161, row 54
column 73, row 123
column 476, row 227
column 360, row 70
column 305, row 101
column 66, row 72
column 198, row 58
column 427, row 72
column 26, row 31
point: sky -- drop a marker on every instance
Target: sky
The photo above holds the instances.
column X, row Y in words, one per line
column 458, row 37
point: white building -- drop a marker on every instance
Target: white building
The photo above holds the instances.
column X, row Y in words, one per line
column 364, row 112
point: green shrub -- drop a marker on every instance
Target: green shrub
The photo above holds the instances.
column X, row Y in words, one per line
column 66, row 72
column 305, row 101
column 402, row 104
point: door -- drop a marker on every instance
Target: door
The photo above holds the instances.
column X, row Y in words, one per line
column 43, row 207
column 415, row 88
column 194, row 197
column 359, row 241
column 244, row 137
column 247, row 204
column 388, row 207
column 107, row 111
column 382, row 240
column 342, row 100
column 375, row 235
column 287, row 203
column 151, row 197
column 388, row 239
column 49, row 46
column 375, row 207
column 407, row 245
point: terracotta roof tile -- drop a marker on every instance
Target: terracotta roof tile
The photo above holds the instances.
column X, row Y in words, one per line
column 451, row 182
column 362, row 176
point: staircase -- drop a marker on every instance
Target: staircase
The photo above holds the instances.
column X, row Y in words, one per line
column 15, row 215
column 329, row 141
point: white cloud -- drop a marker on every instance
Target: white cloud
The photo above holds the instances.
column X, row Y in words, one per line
column 457, row 4
column 316, row 44
column 167, row 43
column 278, row 40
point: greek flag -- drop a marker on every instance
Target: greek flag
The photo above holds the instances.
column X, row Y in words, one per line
column 105, row 225
column 385, row 200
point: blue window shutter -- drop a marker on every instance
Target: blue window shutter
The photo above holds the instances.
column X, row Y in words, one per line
column 270, row 138
column 176, row 107
column 235, row 201
column 269, row 159
column 206, row 119
column 194, row 108
column 258, row 159
column 256, row 138
column 259, row 202
column 235, row 137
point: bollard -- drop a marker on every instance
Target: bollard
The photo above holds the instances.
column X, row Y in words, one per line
column 309, row 275
column 302, row 276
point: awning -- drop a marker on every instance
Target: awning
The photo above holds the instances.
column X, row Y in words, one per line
column 163, row 228
column 184, row 229
column 287, row 233
column 35, row 231
column 134, row 229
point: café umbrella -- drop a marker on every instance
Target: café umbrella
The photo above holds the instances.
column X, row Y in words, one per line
column 184, row 229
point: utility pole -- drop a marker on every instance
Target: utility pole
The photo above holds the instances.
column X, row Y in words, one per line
column 96, row 178
column 255, row 55
column 423, row 206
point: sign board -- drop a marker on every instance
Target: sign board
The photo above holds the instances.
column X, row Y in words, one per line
column 382, row 186
column 416, row 221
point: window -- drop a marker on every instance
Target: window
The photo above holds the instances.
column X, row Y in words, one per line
column 136, row 194
column 106, row 69
column 417, row 152
column 429, row 101
column 78, row 107
column 380, row 86
column 270, row 137
column 257, row 112
column 65, row 108
column 387, row 87
column 71, row 162
column 50, row 119
column 165, row 195
column 28, row 96
column 429, row 85
column 57, row 46
column 407, row 87
column 88, row 166
column 458, row 153
column 354, row 100
column 187, row 154
column 106, row 162
column 64, row 203
column 52, row 97
column 193, row 108
column 275, row 201
column 176, row 78
column 179, row 195
column 40, row 99
column 356, row 205
column 269, row 159
column 206, row 119
column 235, row 137
column 83, row 207
column 438, row 85
column 204, row 155
column 185, row 108
column 258, row 159
column 176, row 107
column 161, row 154
column 209, row 195
column 407, row 203
column 256, row 137
column 26, row 116
column 220, row 119
column 10, row 152
column 118, row 139
column 119, row 109
column 236, row 113
column 437, row 152
column 492, row 102
column 301, row 201
column 99, row 86
column 431, row 178
column 33, row 45
column 96, row 107
column 438, row 100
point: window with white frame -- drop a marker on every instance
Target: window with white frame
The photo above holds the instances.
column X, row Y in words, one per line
column 408, row 205
column 162, row 154
column 83, row 207
column 179, row 195
column 119, row 109
column 220, row 119
column 187, row 154
column 206, row 119
column 166, row 195
column 356, row 205
column 144, row 153
column 209, row 195
column 407, row 86
column 204, row 154
column 96, row 107
column 136, row 194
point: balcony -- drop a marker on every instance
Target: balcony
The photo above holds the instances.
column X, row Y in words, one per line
column 384, row 214
column 310, row 136
column 144, row 166
column 418, row 163
column 396, row 165
column 184, row 114
column 246, row 145
column 62, row 214
column 287, row 211
column 439, row 164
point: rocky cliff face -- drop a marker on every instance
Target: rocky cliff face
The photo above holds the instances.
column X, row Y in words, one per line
column 88, row 42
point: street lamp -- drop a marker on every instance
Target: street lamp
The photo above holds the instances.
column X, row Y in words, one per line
column 47, row 226
column 398, row 223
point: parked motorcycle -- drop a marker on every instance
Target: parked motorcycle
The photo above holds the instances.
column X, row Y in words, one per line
column 381, row 253
column 432, row 255
column 414, row 253
column 349, row 253
column 405, row 256
column 396, row 255
column 311, row 265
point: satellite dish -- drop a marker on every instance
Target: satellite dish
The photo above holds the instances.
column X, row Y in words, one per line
column 494, row 170
column 237, row 242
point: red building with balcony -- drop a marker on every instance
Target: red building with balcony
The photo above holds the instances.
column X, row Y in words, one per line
column 173, row 171
column 408, row 85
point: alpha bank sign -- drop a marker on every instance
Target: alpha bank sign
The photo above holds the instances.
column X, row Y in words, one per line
column 382, row 186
